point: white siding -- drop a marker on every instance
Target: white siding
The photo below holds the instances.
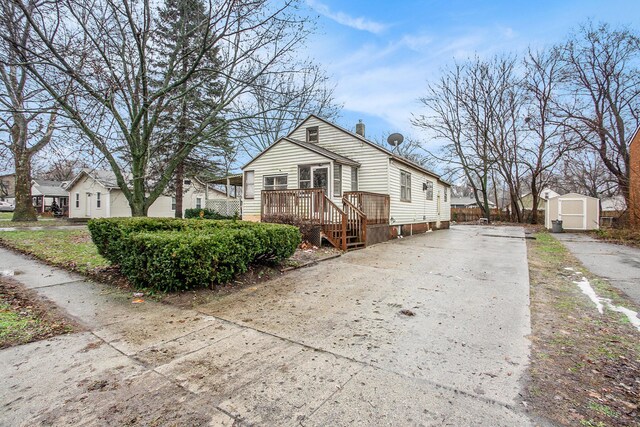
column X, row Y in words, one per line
column 83, row 187
column 419, row 209
column 372, row 175
column 281, row 159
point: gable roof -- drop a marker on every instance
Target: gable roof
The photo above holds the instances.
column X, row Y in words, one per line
column 395, row 157
column 311, row 147
column 50, row 188
column 466, row 201
column 106, row 178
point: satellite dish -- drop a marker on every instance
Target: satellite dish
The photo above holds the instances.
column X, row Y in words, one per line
column 395, row 139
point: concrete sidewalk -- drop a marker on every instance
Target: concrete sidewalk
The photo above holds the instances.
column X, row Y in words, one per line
column 252, row 359
column 618, row 264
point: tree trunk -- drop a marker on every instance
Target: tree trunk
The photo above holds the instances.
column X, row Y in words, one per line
column 179, row 189
column 24, row 204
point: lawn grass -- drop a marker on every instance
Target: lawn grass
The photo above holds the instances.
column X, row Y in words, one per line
column 25, row 317
column 6, row 216
column 65, row 248
column 584, row 364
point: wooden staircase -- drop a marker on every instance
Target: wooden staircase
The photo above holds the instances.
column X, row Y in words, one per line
column 345, row 227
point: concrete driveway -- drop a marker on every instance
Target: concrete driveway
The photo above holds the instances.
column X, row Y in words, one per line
column 618, row 264
column 326, row 345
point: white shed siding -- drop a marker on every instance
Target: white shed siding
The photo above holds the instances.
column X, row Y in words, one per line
column 83, row 187
column 372, row 174
column 419, row 209
column 281, row 159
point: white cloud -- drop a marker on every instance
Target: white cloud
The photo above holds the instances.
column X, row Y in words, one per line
column 359, row 23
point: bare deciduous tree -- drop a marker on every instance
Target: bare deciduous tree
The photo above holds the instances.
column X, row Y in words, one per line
column 28, row 114
column 548, row 141
column 603, row 80
column 118, row 102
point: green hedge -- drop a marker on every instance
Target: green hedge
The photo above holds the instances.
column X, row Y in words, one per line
column 204, row 213
column 107, row 233
column 171, row 254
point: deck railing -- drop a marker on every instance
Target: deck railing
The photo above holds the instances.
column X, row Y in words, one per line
column 344, row 227
column 374, row 205
column 305, row 204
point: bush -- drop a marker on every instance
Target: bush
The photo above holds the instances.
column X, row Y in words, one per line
column 171, row 254
column 107, row 233
column 204, row 214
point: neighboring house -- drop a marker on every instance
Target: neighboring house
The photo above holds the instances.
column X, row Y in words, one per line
column 338, row 179
column 576, row 211
column 45, row 192
column 8, row 188
column 467, row 202
column 634, row 179
column 95, row 194
column 526, row 200
column 613, row 204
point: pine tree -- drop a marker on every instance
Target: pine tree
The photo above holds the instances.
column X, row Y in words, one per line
column 180, row 29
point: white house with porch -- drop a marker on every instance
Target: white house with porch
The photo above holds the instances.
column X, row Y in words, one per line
column 355, row 190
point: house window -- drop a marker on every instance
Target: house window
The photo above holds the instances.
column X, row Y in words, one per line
column 173, row 203
column 198, row 202
column 77, row 200
column 98, row 200
column 405, row 186
column 249, row 184
column 428, row 187
column 337, row 180
column 445, row 194
column 277, row 182
column 312, row 134
column 187, row 182
column 354, row 178
column 304, row 177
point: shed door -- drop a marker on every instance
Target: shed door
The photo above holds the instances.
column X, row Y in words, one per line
column 573, row 213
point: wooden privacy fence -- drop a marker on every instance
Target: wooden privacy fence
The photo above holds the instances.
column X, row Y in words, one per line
column 474, row 214
column 226, row 207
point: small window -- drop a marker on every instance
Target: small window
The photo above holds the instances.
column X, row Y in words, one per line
column 304, row 177
column 312, row 134
column 248, row 184
column 354, row 178
column 77, row 200
column 278, row 182
column 187, row 182
column 198, row 202
column 445, row 194
column 173, row 203
column 429, row 190
column 405, row 186
column 98, row 200
column 337, row 180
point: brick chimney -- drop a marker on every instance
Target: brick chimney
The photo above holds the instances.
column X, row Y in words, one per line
column 360, row 128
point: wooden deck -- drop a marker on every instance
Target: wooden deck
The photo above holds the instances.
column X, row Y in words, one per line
column 344, row 227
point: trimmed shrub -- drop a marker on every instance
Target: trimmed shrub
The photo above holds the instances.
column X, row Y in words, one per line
column 170, row 254
column 107, row 233
column 204, row 214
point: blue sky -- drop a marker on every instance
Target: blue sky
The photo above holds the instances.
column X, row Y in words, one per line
column 381, row 53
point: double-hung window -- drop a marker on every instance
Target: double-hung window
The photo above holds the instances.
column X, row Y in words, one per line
column 405, row 186
column 304, row 177
column 249, row 184
column 337, row 180
column 275, row 182
column 429, row 190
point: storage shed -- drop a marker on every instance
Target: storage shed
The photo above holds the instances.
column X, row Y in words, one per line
column 576, row 211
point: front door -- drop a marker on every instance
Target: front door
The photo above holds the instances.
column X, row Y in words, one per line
column 320, row 179
column 88, row 204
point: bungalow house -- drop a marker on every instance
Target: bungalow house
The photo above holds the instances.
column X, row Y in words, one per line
column 8, row 188
column 526, row 200
column 95, row 194
column 467, row 202
column 354, row 191
column 45, row 193
column 634, row 180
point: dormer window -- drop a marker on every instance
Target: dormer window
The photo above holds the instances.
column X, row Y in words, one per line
column 312, row 134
